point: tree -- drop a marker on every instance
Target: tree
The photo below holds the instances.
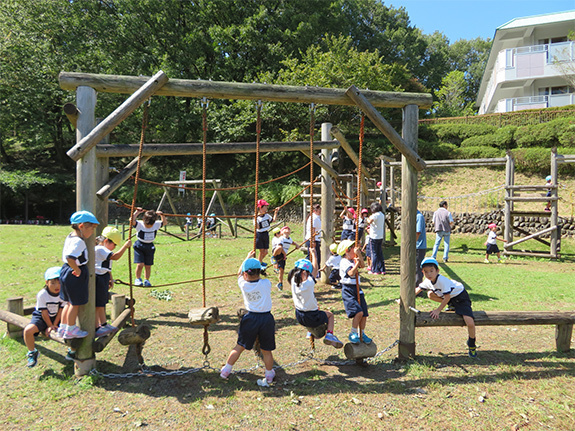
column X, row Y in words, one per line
column 451, row 97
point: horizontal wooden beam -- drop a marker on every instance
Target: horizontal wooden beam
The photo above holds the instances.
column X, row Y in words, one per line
column 531, row 198
column 120, row 114
column 497, row 318
column 460, row 163
column 211, row 148
column 336, row 133
column 532, row 236
column 332, row 172
column 530, row 188
column 539, row 254
column 384, row 127
column 243, row 91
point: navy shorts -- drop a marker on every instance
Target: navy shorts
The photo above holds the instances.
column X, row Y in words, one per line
column 492, row 248
column 262, row 240
column 347, row 234
column 102, row 288
column 334, row 276
column 311, row 319
column 254, row 325
column 74, row 289
column 462, row 304
column 281, row 261
column 39, row 321
column 350, row 302
column 144, row 252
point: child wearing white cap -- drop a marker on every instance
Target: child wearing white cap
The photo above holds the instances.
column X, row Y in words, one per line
column 46, row 315
column 258, row 322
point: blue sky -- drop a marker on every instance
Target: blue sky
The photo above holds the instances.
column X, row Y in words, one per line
column 468, row 19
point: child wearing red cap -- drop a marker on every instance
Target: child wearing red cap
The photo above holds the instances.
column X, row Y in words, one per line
column 348, row 216
column 491, row 243
column 263, row 223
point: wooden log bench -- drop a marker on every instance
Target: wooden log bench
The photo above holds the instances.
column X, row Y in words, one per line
column 563, row 321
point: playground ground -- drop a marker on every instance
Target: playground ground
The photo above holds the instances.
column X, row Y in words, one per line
column 517, row 382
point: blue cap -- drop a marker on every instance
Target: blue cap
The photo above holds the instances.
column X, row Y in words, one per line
column 251, row 263
column 548, row 178
column 212, row 214
column 304, row 264
column 52, row 273
column 188, row 214
column 428, row 261
column 83, row 217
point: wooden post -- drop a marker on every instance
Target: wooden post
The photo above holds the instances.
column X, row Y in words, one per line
column 563, row 334
column 509, row 181
column 118, row 305
column 86, row 200
column 554, row 204
column 327, row 202
column 71, row 112
column 224, row 209
column 16, row 306
column 96, row 134
column 102, row 176
column 408, row 227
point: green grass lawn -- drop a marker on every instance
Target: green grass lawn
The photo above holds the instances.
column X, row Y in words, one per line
column 517, row 381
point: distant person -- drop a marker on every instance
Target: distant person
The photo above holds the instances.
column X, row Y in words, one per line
column 144, row 249
column 442, row 222
column 258, row 322
column 348, row 217
column 281, row 251
column 549, row 184
column 313, row 222
column 46, row 316
column 491, row 243
column 263, row 224
column 376, row 223
column 448, row 292
column 333, row 262
column 74, row 274
column 361, row 224
column 307, row 312
column 420, row 246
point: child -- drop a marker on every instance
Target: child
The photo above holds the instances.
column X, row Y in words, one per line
column 211, row 225
column 74, row 274
column 144, row 249
column 281, row 254
column 307, row 312
column 333, row 262
column 448, row 292
column 491, row 243
column 104, row 256
column 548, row 183
column 356, row 309
column 263, row 221
column 258, row 322
column 361, row 224
column 348, row 216
column 276, row 241
column 189, row 219
column 46, row 316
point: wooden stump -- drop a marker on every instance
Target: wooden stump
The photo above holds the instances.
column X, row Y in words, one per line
column 135, row 335
column 204, row 316
column 563, row 337
column 16, row 306
column 360, row 350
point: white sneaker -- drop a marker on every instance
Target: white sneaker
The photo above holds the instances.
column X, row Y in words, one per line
column 331, row 340
column 138, row 282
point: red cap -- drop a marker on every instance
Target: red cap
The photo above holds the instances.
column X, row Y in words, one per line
column 351, row 210
column 491, row 225
column 379, row 184
column 365, row 210
column 262, row 203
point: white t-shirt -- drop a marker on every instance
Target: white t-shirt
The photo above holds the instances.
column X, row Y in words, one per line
column 75, row 247
column 257, row 294
column 147, row 234
column 344, row 266
column 492, row 237
column 276, row 240
column 334, row 261
column 376, row 225
column 316, row 225
column 103, row 262
column 303, row 295
column 46, row 301
column 347, row 223
column 286, row 243
column 443, row 286
column 263, row 222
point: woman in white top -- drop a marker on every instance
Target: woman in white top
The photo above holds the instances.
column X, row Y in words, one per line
column 376, row 223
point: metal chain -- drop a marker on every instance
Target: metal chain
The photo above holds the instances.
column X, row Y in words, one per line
column 146, row 372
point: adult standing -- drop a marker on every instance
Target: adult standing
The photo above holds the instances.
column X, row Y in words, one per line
column 314, row 222
column 420, row 246
column 442, row 222
column 376, row 223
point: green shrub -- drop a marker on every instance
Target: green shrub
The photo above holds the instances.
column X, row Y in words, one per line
column 457, row 133
column 436, row 150
column 543, row 135
column 479, row 141
column 532, row 160
column 480, row 152
column 504, row 137
column 567, row 137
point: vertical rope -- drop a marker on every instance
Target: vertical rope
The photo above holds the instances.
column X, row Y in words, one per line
column 132, row 219
column 311, row 177
column 258, row 138
column 358, row 201
column 204, row 104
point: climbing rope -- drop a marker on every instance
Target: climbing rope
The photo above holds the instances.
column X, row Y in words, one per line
column 204, row 103
column 258, row 137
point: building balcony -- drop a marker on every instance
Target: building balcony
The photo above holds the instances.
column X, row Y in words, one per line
column 534, row 102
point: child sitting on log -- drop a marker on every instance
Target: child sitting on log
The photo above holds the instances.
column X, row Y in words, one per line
column 354, row 304
column 46, row 316
column 258, row 322
column 448, row 292
column 307, row 312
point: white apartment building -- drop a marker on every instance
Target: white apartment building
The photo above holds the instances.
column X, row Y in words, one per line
column 528, row 65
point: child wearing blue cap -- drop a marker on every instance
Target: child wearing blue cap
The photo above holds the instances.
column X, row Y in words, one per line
column 74, row 274
column 307, row 312
column 46, row 316
column 448, row 292
column 258, row 322
column 548, row 183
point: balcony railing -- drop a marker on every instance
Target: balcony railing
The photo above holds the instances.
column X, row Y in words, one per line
column 535, row 102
